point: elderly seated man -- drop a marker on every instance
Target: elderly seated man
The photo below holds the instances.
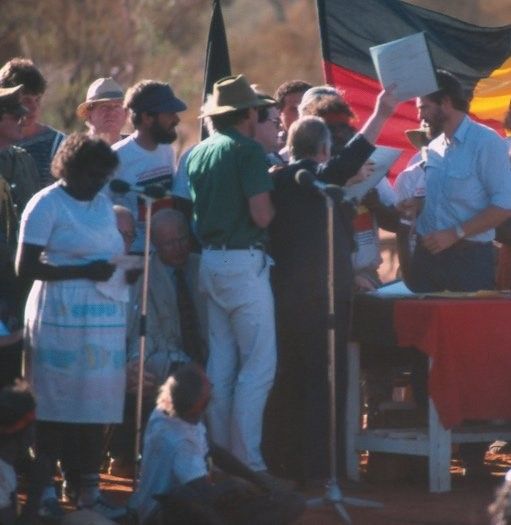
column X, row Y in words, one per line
column 175, row 333
column 176, row 321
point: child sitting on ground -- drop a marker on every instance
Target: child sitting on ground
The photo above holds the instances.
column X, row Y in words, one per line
column 175, row 483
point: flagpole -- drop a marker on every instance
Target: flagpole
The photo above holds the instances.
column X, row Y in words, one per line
column 217, row 64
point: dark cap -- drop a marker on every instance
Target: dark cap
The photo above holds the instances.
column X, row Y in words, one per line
column 158, row 98
column 10, row 102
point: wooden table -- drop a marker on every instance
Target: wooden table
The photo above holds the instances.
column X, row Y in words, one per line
column 469, row 347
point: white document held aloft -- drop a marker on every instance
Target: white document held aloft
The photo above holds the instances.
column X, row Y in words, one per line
column 407, row 64
column 383, row 158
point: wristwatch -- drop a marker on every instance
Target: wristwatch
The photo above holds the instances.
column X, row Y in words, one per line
column 460, row 232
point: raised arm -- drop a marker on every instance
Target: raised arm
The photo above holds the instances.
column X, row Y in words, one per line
column 385, row 104
column 351, row 158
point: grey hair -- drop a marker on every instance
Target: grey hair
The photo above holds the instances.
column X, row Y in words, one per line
column 166, row 216
column 314, row 93
column 307, row 136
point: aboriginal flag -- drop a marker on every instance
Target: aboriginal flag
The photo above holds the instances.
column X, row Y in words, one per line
column 470, row 38
column 217, row 64
column 217, row 53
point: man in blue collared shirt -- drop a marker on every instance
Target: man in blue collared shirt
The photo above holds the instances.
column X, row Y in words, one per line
column 468, row 194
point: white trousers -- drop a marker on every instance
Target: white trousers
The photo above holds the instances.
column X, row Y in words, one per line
column 242, row 347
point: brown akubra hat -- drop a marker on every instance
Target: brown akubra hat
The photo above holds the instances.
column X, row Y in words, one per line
column 231, row 94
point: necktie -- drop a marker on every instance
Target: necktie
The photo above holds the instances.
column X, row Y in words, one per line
column 187, row 318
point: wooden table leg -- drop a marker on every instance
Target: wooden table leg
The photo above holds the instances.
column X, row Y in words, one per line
column 353, row 411
column 439, row 452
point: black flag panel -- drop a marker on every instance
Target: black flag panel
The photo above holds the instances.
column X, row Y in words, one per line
column 217, row 55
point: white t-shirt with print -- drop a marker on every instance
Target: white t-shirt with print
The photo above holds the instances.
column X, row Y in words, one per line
column 142, row 167
column 367, row 254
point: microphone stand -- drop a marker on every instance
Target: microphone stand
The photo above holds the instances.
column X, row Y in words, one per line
column 142, row 337
column 333, row 495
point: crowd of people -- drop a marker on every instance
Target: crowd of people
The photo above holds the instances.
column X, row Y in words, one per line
column 234, row 323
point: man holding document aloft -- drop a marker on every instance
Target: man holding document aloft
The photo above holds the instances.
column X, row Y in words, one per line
column 298, row 237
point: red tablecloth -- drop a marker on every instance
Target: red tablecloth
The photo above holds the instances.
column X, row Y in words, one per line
column 469, row 342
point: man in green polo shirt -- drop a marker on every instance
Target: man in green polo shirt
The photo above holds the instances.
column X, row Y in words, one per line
column 230, row 189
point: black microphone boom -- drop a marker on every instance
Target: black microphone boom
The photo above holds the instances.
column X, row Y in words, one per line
column 119, row 186
column 153, row 191
column 156, row 191
column 305, row 178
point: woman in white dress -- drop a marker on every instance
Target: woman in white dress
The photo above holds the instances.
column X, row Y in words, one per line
column 74, row 319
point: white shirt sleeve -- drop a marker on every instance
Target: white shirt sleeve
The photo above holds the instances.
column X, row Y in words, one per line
column 37, row 220
column 410, row 183
column 386, row 192
column 181, row 188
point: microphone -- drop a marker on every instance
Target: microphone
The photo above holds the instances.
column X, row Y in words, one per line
column 153, row 191
column 307, row 179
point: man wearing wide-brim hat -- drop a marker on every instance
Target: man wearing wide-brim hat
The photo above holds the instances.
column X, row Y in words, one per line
column 231, row 191
column 20, row 178
column 10, row 102
column 103, row 111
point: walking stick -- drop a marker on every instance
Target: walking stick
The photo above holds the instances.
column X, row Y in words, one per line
column 142, row 338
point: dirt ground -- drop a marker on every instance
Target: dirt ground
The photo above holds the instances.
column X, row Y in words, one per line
column 411, row 504
column 405, row 501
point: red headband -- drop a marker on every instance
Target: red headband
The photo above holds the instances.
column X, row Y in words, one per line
column 18, row 425
column 337, row 118
column 202, row 402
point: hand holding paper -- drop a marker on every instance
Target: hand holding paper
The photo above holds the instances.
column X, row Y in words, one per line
column 129, row 262
column 383, row 109
column 382, row 158
column 405, row 63
column 116, row 287
column 387, row 101
column 362, row 174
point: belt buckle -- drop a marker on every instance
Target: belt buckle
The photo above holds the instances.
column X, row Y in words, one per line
column 260, row 246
